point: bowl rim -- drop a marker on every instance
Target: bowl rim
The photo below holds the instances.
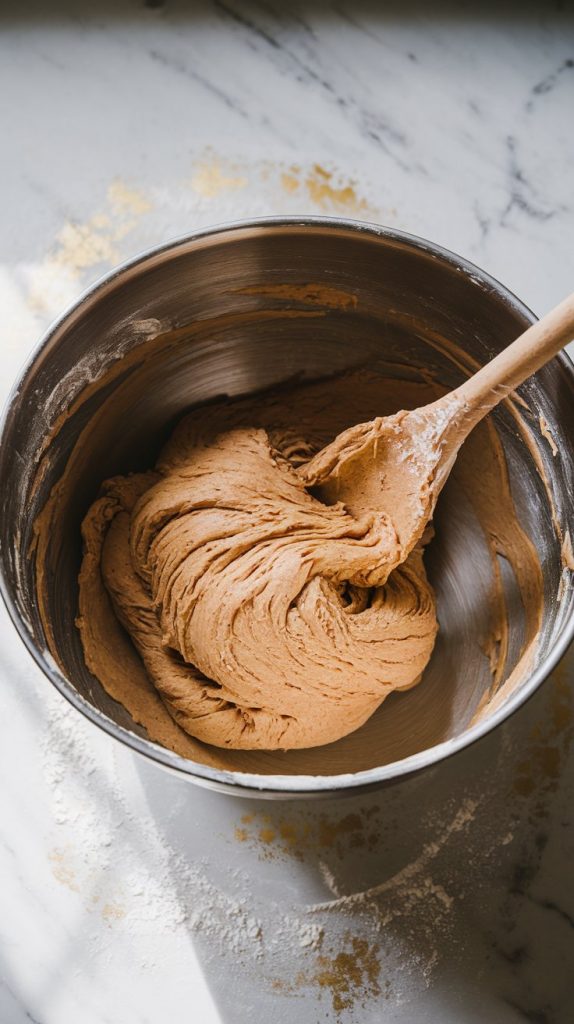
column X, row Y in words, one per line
column 248, row 783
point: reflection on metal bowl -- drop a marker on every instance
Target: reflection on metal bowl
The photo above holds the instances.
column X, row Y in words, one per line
column 239, row 309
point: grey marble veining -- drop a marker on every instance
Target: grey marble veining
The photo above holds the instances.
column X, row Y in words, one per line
column 126, row 896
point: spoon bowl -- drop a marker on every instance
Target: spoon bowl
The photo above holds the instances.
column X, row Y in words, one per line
column 394, row 468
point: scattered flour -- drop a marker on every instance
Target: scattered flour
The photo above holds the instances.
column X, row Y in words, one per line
column 409, row 882
column 117, row 862
column 310, row 934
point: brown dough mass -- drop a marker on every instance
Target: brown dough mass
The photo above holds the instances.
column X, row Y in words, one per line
column 263, row 615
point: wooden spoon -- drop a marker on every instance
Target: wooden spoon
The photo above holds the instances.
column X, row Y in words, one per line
column 395, row 467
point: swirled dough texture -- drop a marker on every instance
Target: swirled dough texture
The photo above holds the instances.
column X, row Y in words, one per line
column 263, row 614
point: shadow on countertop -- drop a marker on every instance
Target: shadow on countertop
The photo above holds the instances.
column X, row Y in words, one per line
column 257, row 17
column 445, row 897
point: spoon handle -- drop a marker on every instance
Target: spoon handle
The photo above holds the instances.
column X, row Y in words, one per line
column 493, row 382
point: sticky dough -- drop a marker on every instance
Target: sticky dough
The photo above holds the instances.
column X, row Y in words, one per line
column 477, row 498
column 263, row 616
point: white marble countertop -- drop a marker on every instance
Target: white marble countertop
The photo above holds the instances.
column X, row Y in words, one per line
column 128, row 896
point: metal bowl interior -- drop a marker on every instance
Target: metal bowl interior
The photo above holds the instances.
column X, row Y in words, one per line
column 248, row 307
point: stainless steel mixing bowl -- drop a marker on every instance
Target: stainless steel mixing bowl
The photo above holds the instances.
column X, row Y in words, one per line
column 268, row 301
